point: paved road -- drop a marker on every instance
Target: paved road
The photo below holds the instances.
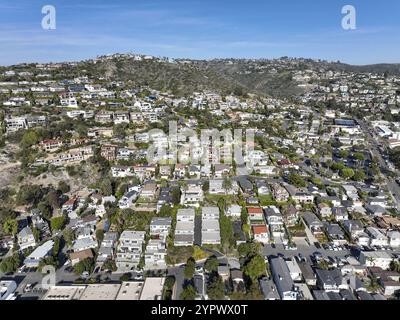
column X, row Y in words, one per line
column 393, row 188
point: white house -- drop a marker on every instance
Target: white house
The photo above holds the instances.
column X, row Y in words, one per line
column 41, row 252
column 26, row 239
column 129, row 249
column 184, row 229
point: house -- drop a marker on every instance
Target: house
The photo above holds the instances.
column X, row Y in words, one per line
column 192, row 195
column 184, row 229
column 378, row 238
column 160, row 227
column 210, row 229
column 381, row 259
column 331, row 199
column 291, row 216
column 128, row 199
column 353, row 227
column 221, row 170
column 155, row 254
column 255, row 214
column 375, row 210
column 85, row 243
column 107, row 247
column 394, row 238
column 41, row 252
column 149, row 191
column 330, row 280
column 233, row 211
column 340, row 213
column 275, row 221
column 313, row 223
column 246, row 186
column 224, row 272
column 260, row 233
column 180, row 171
column 165, row 172
column 121, row 171
column 109, row 152
column 216, row 187
column 325, row 210
column 308, row 274
column 26, row 239
column 335, row 234
column 79, row 256
column 303, row 197
column 238, row 232
column 389, row 280
column 129, row 249
column 51, row 145
column 69, row 206
column 268, row 289
column 237, row 279
column 280, row 193
column 262, row 188
column 282, row 279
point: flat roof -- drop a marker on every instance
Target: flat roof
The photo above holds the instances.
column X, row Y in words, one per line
column 101, row 291
column 64, row 293
column 210, row 236
column 184, row 225
column 152, row 289
column 130, row 290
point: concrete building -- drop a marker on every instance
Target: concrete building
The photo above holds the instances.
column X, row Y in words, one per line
column 184, row 229
column 129, row 249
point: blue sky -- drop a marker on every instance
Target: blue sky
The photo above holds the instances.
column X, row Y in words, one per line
column 200, row 29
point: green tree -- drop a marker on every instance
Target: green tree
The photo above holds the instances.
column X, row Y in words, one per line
column 10, row 226
column 226, row 230
column 249, row 249
column 359, row 175
column 45, row 209
column 347, row 173
column 255, row 268
column 188, row 293
column 10, row 264
column 69, row 236
column 190, row 268
column 227, row 184
column 297, row 180
column 176, row 195
column 36, row 234
column 343, row 154
column 29, row 139
column 215, row 289
column 84, row 265
column 206, row 186
column 58, row 223
column 211, row 265
column 56, row 247
column 165, row 211
column 106, row 187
